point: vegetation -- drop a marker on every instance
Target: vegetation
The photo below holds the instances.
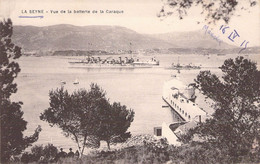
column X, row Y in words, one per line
column 46, row 154
column 49, row 152
column 88, row 117
column 12, row 123
column 113, row 123
column 234, row 127
column 155, row 152
column 148, row 152
column 214, row 10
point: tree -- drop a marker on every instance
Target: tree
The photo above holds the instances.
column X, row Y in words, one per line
column 66, row 112
column 11, row 116
column 236, row 120
column 49, row 152
column 215, row 10
column 113, row 123
column 83, row 115
column 37, row 152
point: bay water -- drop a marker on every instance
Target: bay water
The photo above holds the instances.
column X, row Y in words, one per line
column 139, row 89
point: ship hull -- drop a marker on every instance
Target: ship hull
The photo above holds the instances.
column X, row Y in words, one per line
column 86, row 65
column 183, row 68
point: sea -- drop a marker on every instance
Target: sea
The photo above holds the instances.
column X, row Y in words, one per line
column 139, row 89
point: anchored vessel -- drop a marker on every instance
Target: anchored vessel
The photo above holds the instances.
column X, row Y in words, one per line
column 183, row 67
column 97, row 62
column 178, row 66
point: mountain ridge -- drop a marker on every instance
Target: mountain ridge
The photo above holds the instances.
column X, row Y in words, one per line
column 64, row 37
column 105, row 37
column 192, row 39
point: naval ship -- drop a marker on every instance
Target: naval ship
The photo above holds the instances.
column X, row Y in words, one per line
column 97, row 62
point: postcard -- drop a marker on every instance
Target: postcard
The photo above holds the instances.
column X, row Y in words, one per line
column 110, row 80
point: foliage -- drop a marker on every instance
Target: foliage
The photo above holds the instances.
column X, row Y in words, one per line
column 236, row 121
column 113, row 123
column 11, row 116
column 9, row 68
column 87, row 116
column 48, row 152
column 151, row 151
column 37, row 151
column 27, row 157
column 214, row 10
column 66, row 111
column 158, row 151
column 201, row 153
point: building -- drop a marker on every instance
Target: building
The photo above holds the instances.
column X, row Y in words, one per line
column 180, row 99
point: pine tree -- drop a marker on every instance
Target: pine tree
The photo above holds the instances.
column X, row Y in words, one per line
column 235, row 124
column 213, row 10
column 12, row 123
column 87, row 117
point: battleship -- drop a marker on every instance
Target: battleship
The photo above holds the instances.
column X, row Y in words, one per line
column 97, row 62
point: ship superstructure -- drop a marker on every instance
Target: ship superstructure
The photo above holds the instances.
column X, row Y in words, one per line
column 178, row 66
column 113, row 62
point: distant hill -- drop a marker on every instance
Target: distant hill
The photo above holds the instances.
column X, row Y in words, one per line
column 69, row 37
column 192, row 39
column 63, row 38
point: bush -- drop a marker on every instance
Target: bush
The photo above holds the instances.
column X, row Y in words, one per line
column 37, row 151
column 27, row 157
column 148, row 152
column 145, row 149
column 49, row 153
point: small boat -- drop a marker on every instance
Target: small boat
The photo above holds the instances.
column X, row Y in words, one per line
column 63, row 82
column 76, row 81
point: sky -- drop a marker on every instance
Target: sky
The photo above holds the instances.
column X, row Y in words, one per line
column 138, row 15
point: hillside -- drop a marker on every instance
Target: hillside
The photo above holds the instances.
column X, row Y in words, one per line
column 192, row 39
column 68, row 37
column 112, row 39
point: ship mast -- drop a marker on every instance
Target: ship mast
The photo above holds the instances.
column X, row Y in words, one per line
column 130, row 45
column 178, row 64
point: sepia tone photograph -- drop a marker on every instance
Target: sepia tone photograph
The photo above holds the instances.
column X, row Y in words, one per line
column 130, row 82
